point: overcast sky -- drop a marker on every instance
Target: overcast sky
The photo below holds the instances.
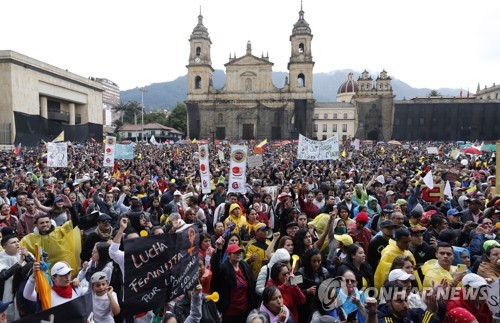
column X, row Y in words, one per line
column 425, row 43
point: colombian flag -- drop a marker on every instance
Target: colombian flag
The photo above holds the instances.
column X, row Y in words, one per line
column 260, row 147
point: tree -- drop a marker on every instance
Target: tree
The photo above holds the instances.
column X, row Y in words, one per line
column 178, row 118
column 156, row 117
column 434, row 93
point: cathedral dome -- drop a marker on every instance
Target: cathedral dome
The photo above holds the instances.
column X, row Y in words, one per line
column 349, row 86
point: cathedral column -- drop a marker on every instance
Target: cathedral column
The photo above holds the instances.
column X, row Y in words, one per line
column 43, row 107
column 71, row 107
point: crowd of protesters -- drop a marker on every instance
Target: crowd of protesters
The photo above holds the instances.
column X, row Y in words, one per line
column 365, row 223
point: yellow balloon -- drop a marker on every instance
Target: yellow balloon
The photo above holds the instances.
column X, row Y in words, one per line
column 144, row 233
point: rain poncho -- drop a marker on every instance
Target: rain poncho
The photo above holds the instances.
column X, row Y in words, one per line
column 388, row 255
column 362, row 198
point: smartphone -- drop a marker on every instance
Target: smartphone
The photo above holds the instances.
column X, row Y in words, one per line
column 474, row 225
column 461, row 268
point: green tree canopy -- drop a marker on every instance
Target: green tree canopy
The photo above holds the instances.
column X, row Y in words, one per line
column 178, row 118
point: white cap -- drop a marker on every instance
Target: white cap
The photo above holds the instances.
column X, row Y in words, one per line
column 474, row 281
column 400, row 274
column 98, row 277
column 380, row 179
column 60, row 268
column 177, row 193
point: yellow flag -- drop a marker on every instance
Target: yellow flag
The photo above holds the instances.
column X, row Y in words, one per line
column 393, row 158
column 404, row 160
column 485, row 164
column 344, row 153
column 59, row 138
column 194, row 141
column 382, row 149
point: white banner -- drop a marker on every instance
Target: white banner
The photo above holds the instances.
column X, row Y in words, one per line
column 318, row 150
column 432, row 150
column 237, row 169
column 57, row 154
column 221, row 155
column 204, row 169
column 109, row 152
column 255, row 161
column 153, row 140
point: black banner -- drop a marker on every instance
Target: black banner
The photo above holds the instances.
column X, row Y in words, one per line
column 77, row 310
column 159, row 268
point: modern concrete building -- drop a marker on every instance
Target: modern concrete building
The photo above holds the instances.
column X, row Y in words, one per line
column 38, row 101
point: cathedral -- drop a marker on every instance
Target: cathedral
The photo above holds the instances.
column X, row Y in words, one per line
column 249, row 105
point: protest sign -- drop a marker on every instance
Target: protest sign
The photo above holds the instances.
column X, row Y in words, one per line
column 238, row 169
column 77, row 310
column 432, row 150
column 57, row 154
column 204, row 169
column 124, row 151
column 309, row 149
column 109, row 151
column 159, row 268
column 255, row 161
column 221, row 155
column 494, row 299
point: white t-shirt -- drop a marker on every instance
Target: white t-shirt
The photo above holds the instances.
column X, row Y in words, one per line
column 102, row 308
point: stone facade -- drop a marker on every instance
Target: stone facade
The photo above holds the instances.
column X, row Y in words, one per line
column 249, row 105
column 38, row 101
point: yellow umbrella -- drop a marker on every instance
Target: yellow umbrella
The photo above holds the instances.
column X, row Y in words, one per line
column 42, row 286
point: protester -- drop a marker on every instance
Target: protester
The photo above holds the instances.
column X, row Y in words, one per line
column 104, row 300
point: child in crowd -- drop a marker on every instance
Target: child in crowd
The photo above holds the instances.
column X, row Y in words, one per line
column 104, row 300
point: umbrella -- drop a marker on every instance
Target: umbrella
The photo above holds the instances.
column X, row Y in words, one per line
column 41, row 284
column 394, row 142
column 471, row 150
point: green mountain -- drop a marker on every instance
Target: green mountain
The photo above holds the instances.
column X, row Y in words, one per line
column 166, row 95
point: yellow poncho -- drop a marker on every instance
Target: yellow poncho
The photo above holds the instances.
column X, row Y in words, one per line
column 62, row 244
column 388, row 255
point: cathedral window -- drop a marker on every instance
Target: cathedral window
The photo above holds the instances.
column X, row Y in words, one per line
column 380, row 86
column 385, row 86
column 301, row 47
column 198, row 51
column 220, row 118
column 334, row 116
column 345, row 115
column 197, row 82
column 325, row 116
column 301, row 80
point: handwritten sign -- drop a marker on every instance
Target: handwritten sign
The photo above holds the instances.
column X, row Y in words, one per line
column 494, row 299
column 159, row 268
column 124, row 151
column 255, row 161
column 57, row 154
column 432, row 151
column 318, row 150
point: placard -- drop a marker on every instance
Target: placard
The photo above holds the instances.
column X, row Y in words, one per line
column 124, row 151
column 159, row 268
column 237, row 169
column 309, row 149
column 255, row 161
column 109, row 151
column 57, row 154
column 204, row 169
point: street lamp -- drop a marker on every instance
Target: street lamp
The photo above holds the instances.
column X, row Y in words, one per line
column 142, row 112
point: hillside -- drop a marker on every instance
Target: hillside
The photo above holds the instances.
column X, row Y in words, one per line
column 325, row 86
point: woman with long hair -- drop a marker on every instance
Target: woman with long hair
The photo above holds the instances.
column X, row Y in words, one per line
column 303, row 240
column 490, row 266
column 356, row 262
column 293, row 297
column 312, row 275
column 100, row 261
column 155, row 211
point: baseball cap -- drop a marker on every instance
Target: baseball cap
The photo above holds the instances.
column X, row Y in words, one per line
column 177, row 193
column 447, row 235
column 491, row 177
column 400, row 274
column 234, row 248
column 103, row 217
column 416, row 230
column 460, row 315
column 388, row 208
column 362, row 217
column 386, row 224
column 344, row 238
column 389, row 193
column 489, row 243
column 292, row 224
column 58, row 199
column 474, row 201
column 260, row 226
column 453, row 212
column 98, row 277
column 474, row 281
column 60, row 268
column 401, row 202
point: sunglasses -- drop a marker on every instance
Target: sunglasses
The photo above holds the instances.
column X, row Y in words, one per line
column 350, row 281
column 105, row 221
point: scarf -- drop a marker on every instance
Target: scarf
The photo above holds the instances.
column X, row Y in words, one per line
column 104, row 235
column 489, row 270
column 64, row 292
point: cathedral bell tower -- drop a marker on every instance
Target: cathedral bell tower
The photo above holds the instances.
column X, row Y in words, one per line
column 301, row 64
column 200, row 64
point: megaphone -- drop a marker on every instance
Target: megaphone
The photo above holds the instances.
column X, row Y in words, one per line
column 214, row 297
column 295, row 259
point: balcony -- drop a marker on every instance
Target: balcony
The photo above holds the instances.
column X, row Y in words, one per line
column 58, row 116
